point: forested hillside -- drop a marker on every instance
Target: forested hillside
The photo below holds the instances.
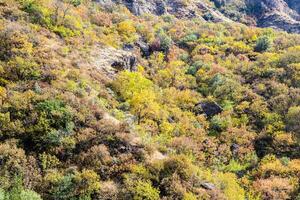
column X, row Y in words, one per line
column 97, row 103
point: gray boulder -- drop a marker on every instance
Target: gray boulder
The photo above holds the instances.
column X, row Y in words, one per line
column 208, row 186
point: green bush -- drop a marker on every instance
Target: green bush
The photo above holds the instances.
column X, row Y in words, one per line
column 263, row 43
column 64, row 32
column 22, row 69
column 164, row 39
column 75, row 3
column 293, row 119
column 143, row 190
column 17, row 192
column 234, row 166
column 20, row 195
column 54, row 123
column 38, row 13
column 72, row 185
column 189, row 38
column 2, row 194
column 57, row 113
column 218, row 124
column 30, row 195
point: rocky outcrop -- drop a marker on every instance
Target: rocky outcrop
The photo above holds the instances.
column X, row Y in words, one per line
column 214, row 15
column 144, row 48
column 278, row 14
column 111, row 60
column 208, row 108
column 208, row 186
column 178, row 8
column 294, row 4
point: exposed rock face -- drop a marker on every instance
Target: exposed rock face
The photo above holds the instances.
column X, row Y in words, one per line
column 139, row 7
column 277, row 14
column 144, row 47
column 111, row 60
column 178, row 8
column 294, row 4
column 215, row 15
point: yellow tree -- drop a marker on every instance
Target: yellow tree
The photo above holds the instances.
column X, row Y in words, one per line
column 127, row 31
column 144, row 104
column 140, row 93
column 2, row 94
column 174, row 76
column 130, row 83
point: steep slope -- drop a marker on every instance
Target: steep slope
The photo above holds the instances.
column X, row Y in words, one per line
column 294, row 4
column 278, row 14
column 99, row 104
column 178, row 8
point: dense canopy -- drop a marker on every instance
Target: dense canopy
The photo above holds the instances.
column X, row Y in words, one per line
column 204, row 110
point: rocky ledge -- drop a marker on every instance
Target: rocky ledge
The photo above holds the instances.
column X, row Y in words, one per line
column 278, row 14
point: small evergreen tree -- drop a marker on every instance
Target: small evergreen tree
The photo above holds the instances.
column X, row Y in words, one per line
column 263, row 43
